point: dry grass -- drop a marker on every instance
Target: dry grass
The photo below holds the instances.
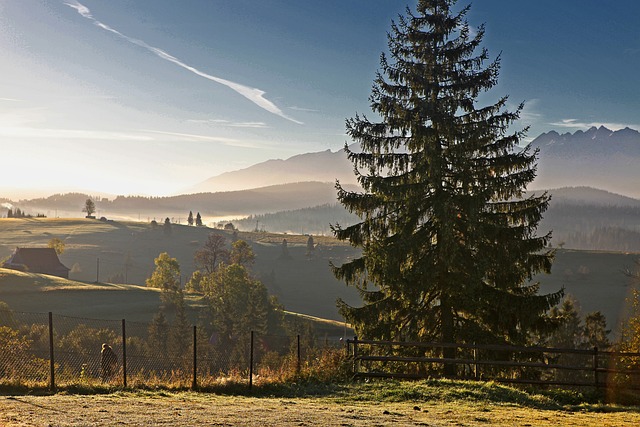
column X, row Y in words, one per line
column 198, row 409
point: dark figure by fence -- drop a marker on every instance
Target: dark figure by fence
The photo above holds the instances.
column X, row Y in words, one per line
column 108, row 362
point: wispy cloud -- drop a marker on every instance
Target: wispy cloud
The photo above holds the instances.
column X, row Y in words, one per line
column 227, row 123
column 632, row 51
column 530, row 114
column 252, row 94
column 576, row 124
column 195, row 137
column 306, row 110
column 10, row 100
column 50, row 133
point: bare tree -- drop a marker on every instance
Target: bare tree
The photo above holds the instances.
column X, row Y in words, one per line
column 212, row 253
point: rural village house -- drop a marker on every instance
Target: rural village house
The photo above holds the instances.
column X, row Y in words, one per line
column 37, row 260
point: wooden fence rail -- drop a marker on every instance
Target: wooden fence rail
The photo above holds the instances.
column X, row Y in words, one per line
column 389, row 359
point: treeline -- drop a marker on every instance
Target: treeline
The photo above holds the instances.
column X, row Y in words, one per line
column 314, row 220
column 17, row 213
column 605, row 239
column 574, row 225
column 593, row 227
column 265, row 199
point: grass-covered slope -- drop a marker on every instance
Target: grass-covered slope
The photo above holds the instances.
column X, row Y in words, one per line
column 124, row 252
column 38, row 293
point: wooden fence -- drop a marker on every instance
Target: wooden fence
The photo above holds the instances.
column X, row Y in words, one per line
column 499, row 363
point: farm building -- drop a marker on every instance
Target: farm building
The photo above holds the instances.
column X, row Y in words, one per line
column 37, row 260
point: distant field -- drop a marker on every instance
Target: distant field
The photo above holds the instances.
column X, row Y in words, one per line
column 303, row 284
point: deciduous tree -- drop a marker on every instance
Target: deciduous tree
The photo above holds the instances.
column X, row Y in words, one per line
column 89, row 207
column 57, row 245
column 241, row 253
column 212, row 253
column 166, row 277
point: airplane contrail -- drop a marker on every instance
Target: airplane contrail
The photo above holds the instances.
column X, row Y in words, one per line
column 252, row 94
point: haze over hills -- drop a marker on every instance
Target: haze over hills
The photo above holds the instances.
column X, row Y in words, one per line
column 588, row 173
column 324, row 166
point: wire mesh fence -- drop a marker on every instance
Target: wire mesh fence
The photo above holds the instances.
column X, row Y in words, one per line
column 39, row 349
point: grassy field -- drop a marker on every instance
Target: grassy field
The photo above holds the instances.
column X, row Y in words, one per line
column 98, row 251
column 433, row 403
column 302, row 284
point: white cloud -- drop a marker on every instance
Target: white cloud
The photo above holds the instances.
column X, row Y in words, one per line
column 576, row 124
column 252, row 94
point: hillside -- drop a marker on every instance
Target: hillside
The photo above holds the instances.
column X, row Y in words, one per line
column 580, row 218
column 124, row 252
column 324, row 166
column 303, row 284
column 35, row 293
column 212, row 206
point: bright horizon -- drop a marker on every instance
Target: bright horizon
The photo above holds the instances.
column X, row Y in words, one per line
column 132, row 98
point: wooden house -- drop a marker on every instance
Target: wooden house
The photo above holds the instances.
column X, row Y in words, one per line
column 37, row 260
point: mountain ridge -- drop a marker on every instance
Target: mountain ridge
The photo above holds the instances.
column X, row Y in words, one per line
column 598, row 158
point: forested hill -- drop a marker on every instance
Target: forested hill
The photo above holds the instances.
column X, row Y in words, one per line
column 580, row 217
column 238, row 203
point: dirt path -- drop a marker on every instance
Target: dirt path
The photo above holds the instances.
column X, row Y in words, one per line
column 192, row 409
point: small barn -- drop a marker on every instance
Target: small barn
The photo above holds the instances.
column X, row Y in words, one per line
column 37, row 260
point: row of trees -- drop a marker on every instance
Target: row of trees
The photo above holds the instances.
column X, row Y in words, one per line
column 197, row 221
column 237, row 302
column 17, row 213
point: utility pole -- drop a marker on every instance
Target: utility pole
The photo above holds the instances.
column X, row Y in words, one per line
column 98, row 270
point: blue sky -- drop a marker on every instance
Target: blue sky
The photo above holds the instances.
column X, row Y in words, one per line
column 151, row 97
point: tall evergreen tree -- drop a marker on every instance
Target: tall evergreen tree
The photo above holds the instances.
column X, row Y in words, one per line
column 448, row 242
column 190, row 218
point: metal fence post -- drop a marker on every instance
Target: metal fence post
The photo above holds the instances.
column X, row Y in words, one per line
column 52, row 378
column 298, row 348
column 595, row 366
column 475, row 359
column 124, row 354
column 251, row 363
column 194, row 384
column 355, row 355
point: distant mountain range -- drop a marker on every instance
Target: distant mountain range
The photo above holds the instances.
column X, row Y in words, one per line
column 324, row 166
column 599, row 158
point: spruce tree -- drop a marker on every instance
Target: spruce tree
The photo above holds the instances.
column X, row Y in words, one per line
column 448, row 239
column 190, row 218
